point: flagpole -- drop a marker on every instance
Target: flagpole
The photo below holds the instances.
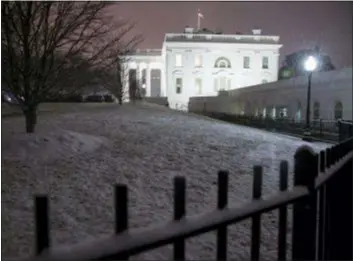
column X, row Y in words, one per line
column 199, row 16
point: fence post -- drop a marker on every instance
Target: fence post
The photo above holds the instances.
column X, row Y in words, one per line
column 338, row 230
column 121, row 213
column 256, row 219
column 41, row 223
column 222, row 203
column 282, row 213
column 304, row 211
column 179, row 212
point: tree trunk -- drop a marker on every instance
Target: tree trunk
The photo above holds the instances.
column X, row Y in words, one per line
column 31, row 119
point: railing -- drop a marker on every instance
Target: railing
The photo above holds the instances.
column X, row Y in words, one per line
column 322, row 215
column 320, row 129
column 345, row 129
column 222, row 37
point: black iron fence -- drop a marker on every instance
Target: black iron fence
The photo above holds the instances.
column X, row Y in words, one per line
column 320, row 129
column 322, row 215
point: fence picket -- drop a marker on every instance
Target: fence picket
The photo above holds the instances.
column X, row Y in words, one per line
column 322, row 160
column 256, row 219
column 328, row 160
column 330, row 243
column 42, row 223
column 179, row 212
column 121, row 212
column 222, row 203
column 282, row 226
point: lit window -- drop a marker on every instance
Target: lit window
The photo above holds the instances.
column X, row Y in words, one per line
column 198, row 85
column 265, row 62
column 338, row 110
column 246, row 62
column 178, row 85
column 178, row 60
column 316, row 110
column 283, row 112
column 198, row 60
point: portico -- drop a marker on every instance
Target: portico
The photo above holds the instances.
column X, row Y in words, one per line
column 146, row 68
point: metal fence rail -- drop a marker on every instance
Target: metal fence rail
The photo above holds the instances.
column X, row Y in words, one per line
column 321, row 198
column 320, row 129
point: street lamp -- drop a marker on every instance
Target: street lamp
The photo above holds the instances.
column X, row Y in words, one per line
column 310, row 65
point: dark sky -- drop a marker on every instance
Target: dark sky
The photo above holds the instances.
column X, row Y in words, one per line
column 299, row 24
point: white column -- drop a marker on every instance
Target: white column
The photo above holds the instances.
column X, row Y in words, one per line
column 126, row 97
column 138, row 74
column 148, row 81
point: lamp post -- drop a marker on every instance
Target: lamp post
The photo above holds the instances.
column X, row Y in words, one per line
column 310, row 66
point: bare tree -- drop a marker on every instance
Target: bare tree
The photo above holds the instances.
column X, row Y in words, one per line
column 44, row 42
column 112, row 72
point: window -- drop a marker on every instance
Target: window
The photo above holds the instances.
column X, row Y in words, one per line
column 198, row 60
column 338, row 110
column 316, row 111
column 178, row 60
column 265, row 62
column 198, row 85
column 298, row 113
column 222, row 62
column 264, row 81
column 222, row 83
column 246, row 62
column 283, row 112
column 273, row 112
column 178, row 85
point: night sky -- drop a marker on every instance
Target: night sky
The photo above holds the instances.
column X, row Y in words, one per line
column 300, row 25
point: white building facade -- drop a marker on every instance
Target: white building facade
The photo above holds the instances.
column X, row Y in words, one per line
column 197, row 64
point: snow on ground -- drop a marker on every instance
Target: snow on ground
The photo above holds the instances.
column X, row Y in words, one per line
column 76, row 158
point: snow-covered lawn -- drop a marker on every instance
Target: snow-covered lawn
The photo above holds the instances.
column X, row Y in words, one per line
column 76, row 158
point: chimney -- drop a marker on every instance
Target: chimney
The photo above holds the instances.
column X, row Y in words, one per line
column 188, row 30
column 256, row 31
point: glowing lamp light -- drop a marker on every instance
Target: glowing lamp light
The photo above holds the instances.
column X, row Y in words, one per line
column 310, row 64
column 144, row 86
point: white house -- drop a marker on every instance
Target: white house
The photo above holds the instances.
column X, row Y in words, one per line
column 201, row 63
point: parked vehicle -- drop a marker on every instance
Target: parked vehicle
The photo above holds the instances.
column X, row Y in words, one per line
column 9, row 98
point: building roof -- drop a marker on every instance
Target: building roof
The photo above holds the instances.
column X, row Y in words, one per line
column 147, row 52
column 222, row 38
